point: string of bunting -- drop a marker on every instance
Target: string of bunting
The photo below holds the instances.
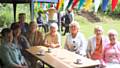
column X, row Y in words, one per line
column 79, row 4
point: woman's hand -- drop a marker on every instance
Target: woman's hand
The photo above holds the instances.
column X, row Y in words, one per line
column 71, row 47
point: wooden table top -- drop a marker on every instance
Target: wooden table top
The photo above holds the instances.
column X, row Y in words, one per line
column 61, row 58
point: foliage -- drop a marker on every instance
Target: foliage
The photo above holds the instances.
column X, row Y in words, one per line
column 5, row 16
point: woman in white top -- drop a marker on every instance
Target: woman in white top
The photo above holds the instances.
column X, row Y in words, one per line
column 75, row 40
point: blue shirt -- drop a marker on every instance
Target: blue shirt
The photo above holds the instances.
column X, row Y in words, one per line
column 11, row 55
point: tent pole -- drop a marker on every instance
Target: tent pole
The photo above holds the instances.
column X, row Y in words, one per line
column 14, row 9
column 32, row 10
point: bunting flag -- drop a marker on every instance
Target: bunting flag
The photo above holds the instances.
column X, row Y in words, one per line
column 104, row 4
column 81, row 2
column 88, row 5
column 69, row 4
column 96, row 4
column 48, row 5
column 45, row 7
column 74, row 4
column 35, row 6
column 114, row 4
column 62, row 5
column 59, row 4
column 41, row 5
column 66, row 3
column 38, row 4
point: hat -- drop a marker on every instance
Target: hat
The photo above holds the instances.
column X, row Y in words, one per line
column 51, row 10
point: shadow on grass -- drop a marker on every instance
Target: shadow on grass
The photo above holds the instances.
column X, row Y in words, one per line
column 90, row 16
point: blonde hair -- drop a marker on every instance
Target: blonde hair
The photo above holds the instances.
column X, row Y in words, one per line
column 33, row 23
column 98, row 27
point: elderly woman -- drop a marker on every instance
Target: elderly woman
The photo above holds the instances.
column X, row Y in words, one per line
column 75, row 40
column 96, row 44
column 52, row 39
column 20, row 40
column 111, row 54
column 34, row 36
column 9, row 52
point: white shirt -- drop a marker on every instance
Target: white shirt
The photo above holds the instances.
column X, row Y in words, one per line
column 78, row 42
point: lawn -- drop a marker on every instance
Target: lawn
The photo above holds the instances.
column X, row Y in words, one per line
column 87, row 27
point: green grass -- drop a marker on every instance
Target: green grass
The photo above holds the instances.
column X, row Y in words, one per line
column 87, row 27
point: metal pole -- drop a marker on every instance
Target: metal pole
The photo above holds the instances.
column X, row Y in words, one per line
column 14, row 9
column 32, row 10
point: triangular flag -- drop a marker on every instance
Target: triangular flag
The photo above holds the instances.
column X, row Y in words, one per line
column 104, row 5
column 74, row 4
column 114, row 3
column 59, row 4
column 36, row 4
column 66, row 3
column 41, row 5
column 81, row 2
column 62, row 5
column 49, row 5
column 88, row 5
column 97, row 4
column 69, row 4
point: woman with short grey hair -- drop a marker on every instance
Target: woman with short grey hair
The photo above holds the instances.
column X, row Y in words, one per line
column 75, row 40
column 111, row 56
column 52, row 39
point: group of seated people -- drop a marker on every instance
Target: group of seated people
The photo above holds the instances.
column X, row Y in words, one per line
column 105, row 49
column 21, row 36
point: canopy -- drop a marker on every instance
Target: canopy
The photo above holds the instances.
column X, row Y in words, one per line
column 31, row 2
column 27, row 1
column 15, row 1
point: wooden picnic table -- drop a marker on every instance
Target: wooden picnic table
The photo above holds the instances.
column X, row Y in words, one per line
column 61, row 58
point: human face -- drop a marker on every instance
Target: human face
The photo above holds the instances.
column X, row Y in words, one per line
column 33, row 27
column 17, row 32
column 98, row 32
column 9, row 37
column 53, row 30
column 22, row 18
column 112, row 38
column 73, row 29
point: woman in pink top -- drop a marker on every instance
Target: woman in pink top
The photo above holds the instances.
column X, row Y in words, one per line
column 111, row 56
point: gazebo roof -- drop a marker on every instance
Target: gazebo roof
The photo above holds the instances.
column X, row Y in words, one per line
column 15, row 1
column 27, row 1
